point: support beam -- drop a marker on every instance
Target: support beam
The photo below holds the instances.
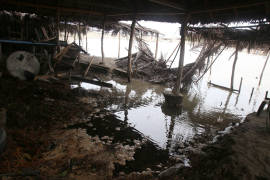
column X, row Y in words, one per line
column 130, row 49
column 261, row 76
column 157, row 36
column 102, row 38
column 86, row 40
column 234, row 64
column 177, row 86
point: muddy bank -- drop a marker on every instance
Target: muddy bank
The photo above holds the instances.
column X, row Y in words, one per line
column 242, row 154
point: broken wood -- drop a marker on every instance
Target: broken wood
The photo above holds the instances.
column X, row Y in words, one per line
column 240, row 86
column 44, row 33
column 222, row 87
column 130, row 49
column 172, row 52
column 99, row 83
column 88, row 67
column 234, row 64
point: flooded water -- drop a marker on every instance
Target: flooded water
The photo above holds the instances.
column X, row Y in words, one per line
column 206, row 110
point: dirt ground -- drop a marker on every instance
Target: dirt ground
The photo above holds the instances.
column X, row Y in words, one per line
column 242, row 154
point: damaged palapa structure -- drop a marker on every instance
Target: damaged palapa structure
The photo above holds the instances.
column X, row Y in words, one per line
column 43, row 123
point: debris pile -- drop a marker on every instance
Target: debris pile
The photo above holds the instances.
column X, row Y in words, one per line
column 146, row 67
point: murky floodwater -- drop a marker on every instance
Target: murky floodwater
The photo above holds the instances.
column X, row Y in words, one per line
column 206, row 110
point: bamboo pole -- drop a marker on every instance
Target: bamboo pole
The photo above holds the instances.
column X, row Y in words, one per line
column 261, row 76
column 234, row 64
column 119, row 44
column 176, row 89
column 130, row 49
column 102, row 38
column 157, row 37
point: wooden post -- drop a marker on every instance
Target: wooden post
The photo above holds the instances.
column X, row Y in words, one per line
column 130, row 49
column 264, row 68
column 176, row 89
column 234, row 64
column 58, row 31
column 79, row 33
column 156, row 46
column 86, row 40
column 102, row 37
column 119, row 43
column 251, row 94
column 240, row 86
column 65, row 37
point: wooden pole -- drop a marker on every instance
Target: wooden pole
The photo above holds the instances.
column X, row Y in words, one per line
column 58, row 30
column 157, row 36
column 234, row 64
column 86, row 40
column 251, row 94
column 79, row 34
column 240, row 86
column 102, row 37
column 65, row 37
column 173, row 52
column 176, row 89
column 119, row 43
column 130, row 49
column 261, row 76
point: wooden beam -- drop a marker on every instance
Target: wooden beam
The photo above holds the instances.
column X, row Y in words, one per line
column 130, row 49
column 88, row 67
column 234, row 64
column 177, row 87
column 157, row 35
column 168, row 4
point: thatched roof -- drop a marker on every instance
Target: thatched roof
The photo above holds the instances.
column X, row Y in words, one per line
column 250, row 37
column 197, row 11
